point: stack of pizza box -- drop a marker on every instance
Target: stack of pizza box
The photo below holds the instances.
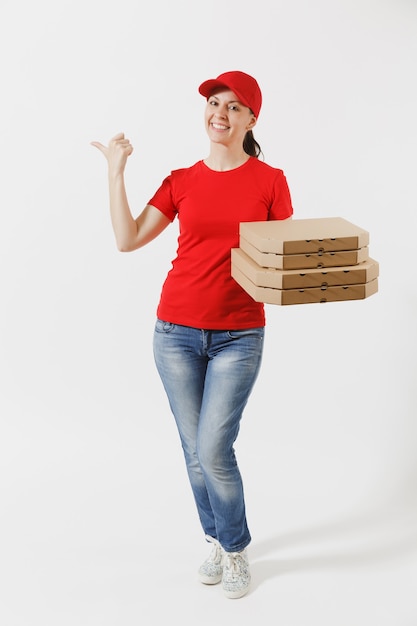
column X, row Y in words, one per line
column 300, row 261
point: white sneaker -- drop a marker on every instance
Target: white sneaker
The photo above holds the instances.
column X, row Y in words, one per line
column 211, row 571
column 236, row 574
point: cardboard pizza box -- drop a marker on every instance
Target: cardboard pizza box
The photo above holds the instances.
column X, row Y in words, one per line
column 294, row 279
column 303, row 261
column 300, row 236
column 304, row 296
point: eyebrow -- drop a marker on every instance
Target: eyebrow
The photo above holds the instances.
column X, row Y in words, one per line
column 229, row 101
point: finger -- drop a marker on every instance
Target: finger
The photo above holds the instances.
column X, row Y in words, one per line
column 99, row 145
column 125, row 145
column 118, row 137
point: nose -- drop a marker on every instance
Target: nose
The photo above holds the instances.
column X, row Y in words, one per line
column 221, row 111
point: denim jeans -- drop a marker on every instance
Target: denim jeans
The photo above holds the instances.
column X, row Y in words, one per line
column 208, row 376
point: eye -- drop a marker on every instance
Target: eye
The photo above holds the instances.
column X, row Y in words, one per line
column 213, row 102
column 233, row 107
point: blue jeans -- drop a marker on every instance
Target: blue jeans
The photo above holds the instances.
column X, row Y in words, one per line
column 208, row 376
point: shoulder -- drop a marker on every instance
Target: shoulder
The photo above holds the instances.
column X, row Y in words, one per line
column 185, row 172
column 264, row 168
column 182, row 179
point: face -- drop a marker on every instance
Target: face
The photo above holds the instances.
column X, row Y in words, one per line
column 227, row 119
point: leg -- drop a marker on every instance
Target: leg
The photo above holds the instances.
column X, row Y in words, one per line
column 182, row 367
column 208, row 377
column 233, row 366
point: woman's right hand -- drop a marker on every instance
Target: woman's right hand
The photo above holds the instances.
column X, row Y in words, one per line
column 116, row 153
column 130, row 233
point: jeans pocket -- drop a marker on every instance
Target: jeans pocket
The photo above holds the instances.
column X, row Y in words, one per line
column 247, row 332
column 163, row 327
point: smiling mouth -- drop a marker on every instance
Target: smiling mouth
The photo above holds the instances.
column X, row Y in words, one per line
column 219, row 126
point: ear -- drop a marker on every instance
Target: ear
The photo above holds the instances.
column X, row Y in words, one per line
column 252, row 123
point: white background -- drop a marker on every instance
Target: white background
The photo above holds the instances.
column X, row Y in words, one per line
column 97, row 524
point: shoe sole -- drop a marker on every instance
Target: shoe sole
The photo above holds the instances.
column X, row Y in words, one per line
column 210, row 580
column 235, row 595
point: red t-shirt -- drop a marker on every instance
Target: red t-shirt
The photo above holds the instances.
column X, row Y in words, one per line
column 199, row 290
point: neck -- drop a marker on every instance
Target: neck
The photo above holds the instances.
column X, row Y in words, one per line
column 222, row 159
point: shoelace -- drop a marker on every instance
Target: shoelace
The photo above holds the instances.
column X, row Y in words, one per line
column 233, row 562
column 216, row 553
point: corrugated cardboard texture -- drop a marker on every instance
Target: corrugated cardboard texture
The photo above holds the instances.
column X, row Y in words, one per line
column 295, row 279
column 301, row 261
column 304, row 296
column 305, row 235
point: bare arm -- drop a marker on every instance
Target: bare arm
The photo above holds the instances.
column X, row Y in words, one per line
column 130, row 233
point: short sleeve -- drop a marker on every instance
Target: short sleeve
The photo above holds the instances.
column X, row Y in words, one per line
column 281, row 207
column 163, row 199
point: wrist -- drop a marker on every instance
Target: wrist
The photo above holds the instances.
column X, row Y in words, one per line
column 115, row 175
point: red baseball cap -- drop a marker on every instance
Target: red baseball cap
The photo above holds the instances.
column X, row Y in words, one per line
column 244, row 86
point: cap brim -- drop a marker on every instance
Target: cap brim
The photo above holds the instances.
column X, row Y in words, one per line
column 209, row 86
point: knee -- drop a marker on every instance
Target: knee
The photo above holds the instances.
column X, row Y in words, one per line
column 213, row 458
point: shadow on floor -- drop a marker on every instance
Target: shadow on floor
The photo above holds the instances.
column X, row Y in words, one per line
column 368, row 540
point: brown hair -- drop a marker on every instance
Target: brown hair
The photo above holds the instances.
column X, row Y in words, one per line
column 251, row 146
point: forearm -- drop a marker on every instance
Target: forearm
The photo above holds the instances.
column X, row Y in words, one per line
column 130, row 234
column 124, row 226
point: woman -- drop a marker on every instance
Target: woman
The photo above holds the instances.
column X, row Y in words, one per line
column 209, row 332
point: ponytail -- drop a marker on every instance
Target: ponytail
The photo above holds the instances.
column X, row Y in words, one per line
column 251, row 146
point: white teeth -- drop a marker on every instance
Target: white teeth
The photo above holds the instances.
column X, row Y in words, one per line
column 219, row 127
